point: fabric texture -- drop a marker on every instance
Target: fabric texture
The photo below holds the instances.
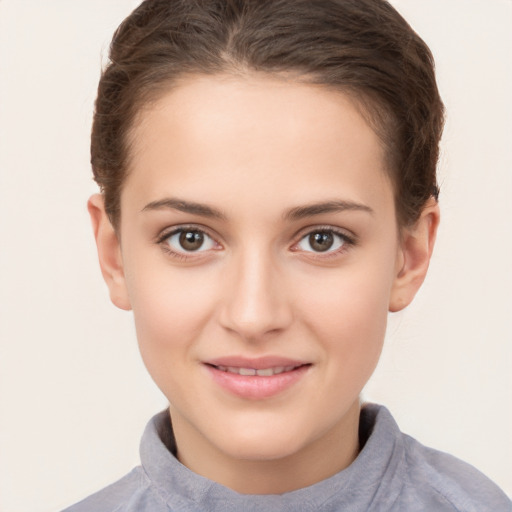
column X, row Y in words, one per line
column 393, row 472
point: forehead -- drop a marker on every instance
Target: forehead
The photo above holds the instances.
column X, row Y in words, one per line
column 256, row 138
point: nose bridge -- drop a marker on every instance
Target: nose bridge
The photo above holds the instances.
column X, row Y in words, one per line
column 256, row 302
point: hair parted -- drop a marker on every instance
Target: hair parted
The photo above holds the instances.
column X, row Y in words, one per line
column 361, row 47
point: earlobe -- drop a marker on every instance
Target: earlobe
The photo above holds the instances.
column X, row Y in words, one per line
column 417, row 244
column 109, row 252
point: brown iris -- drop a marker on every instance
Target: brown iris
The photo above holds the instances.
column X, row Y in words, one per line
column 191, row 240
column 321, row 242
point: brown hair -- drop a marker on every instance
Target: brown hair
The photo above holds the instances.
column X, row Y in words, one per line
column 361, row 47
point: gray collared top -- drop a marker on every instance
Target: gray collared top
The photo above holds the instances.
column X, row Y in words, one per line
column 393, row 472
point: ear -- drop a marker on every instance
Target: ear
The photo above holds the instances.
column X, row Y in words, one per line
column 416, row 246
column 109, row 252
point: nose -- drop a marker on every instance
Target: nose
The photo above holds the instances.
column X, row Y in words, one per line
column 255, row 303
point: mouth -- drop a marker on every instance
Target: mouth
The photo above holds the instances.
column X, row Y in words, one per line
column 257, row 379
column 260, row 372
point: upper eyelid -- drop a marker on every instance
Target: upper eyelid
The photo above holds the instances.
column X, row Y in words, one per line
column 171, row 230
column 344, row 232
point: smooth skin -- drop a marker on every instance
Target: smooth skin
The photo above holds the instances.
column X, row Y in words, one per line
column 257, row 219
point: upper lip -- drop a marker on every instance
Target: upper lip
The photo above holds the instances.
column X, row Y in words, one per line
column 259, row 363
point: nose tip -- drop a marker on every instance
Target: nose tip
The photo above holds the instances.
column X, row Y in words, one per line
column 255, row 304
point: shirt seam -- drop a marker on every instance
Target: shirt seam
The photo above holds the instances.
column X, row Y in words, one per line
column 431, row 486
column 127, row 499
column 154, row 488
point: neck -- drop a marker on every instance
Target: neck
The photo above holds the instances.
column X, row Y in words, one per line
column 332, row 452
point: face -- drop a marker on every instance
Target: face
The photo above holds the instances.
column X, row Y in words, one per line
column 260, row 255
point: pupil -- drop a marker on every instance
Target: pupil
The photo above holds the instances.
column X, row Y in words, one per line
column 191, row 240
column 321, row 241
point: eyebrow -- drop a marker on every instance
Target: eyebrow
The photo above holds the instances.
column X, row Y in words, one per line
column 301, row 212
column 186, row 207
column 297, row 213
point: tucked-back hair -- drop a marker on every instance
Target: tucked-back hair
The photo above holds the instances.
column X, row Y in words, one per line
column 363, row 48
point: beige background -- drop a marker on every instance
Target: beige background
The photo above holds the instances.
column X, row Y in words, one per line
column 74, row 396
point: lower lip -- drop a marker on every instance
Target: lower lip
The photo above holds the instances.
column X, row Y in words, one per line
column 254, row 387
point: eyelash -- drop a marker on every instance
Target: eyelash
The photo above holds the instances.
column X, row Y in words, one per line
column 182, row 255
column 347, row 241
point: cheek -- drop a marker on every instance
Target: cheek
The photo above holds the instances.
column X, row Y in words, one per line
column 171, row 309
column 349, row 315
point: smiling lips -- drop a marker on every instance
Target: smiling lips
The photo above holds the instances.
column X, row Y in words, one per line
column 256, row 379
column 263, row 372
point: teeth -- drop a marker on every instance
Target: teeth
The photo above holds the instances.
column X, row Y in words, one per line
column 244, row 371
column 249, row 372
column 267, row 372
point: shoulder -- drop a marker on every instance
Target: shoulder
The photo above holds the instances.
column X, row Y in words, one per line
column 132, row 493
column 411, row 477
column 441, row 478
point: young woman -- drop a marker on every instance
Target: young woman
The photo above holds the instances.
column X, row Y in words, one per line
column 268, row 195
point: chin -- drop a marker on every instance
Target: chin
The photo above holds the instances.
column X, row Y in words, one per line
column 263, row 443
column 263, row 450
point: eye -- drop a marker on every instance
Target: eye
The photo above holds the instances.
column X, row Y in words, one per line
column 323, row 241
column 189, row 240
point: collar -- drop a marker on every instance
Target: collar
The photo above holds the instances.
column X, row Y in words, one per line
column 374, row 479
